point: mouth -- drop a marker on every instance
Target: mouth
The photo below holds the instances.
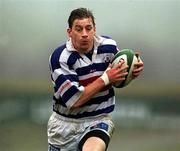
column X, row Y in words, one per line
column 84, row 42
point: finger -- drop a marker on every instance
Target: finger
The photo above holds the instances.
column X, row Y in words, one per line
column 122, row 75
column 136, row 74
column 137, row 70
column 119, row 65
column 124, row 69
column 138, row 64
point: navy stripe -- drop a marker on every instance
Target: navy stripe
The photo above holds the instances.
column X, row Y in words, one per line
column 54, row 60
column 88, row 114
column 93, row 67
column 59, row 81
column 107, row 49
column 72, row 77
column 72, row 59
column 66, row 96
column 59, row 101
column 107, row 37
column 101, row 66
column 84, row 70
column 69, row 93
column 62, row 78
column 100, row 99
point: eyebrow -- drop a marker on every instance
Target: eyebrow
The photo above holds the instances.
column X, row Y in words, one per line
column 80, row 25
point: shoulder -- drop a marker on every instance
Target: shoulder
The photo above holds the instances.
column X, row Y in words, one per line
column 106, row 40
column 106, row 45
column 56, row 55
column 62, row 55
column 57, row 52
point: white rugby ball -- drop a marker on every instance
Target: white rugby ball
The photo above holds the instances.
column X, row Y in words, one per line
column 130, row 59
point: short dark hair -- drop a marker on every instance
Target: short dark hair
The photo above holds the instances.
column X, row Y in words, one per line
column 80, row 13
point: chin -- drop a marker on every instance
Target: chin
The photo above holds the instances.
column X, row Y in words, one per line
column 85, row 49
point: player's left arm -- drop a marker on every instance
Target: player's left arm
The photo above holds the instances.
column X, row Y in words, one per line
column 139, row 66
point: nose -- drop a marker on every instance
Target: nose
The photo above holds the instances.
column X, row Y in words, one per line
column 84, row 33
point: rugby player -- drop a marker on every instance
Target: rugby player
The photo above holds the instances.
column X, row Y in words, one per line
column 84, row 97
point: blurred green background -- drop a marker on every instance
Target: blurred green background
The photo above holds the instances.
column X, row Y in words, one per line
column 147, row 114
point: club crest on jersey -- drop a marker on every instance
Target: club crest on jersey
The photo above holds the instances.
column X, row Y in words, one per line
column 107, row 59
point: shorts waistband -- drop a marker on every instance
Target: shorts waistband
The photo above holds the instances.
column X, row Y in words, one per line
column 82, row 120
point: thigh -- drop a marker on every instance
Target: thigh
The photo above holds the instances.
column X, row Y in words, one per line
column 98, row 134
column 94, row 143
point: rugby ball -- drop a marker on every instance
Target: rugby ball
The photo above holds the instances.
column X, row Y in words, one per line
column 130, row 59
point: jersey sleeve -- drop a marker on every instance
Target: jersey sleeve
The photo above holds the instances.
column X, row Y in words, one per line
column 66, row 85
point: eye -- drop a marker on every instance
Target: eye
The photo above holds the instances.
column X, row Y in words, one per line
column 78, row 29
column 89, row 28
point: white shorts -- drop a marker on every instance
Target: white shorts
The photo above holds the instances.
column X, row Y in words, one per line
column 66, row 134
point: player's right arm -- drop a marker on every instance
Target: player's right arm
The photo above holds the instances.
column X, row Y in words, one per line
column 110, row 76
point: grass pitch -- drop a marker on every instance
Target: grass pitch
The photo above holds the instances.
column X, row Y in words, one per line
column 26, row 136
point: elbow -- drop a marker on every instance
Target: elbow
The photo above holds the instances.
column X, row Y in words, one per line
column 81, row 101
column 76, row 105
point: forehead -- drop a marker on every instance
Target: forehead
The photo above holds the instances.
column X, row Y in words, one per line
column 83, row 22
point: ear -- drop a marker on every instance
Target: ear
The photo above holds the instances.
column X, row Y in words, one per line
column 69, row 30
column 95, row 29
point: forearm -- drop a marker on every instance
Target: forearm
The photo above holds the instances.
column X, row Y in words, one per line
column 90, row 91
column 110, row 76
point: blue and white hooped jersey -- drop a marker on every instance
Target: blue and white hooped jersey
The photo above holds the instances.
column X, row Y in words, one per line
column 71, row 72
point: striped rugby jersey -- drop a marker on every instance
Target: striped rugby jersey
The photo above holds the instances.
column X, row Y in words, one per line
column 71, row 72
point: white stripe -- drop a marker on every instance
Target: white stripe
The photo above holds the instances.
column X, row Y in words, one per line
column 61, row 71
column 86, row 62
column 64, row 55
column 80, row 63
column 60, row 93
column 106, row 41
column 101, row 57
column 56, row 74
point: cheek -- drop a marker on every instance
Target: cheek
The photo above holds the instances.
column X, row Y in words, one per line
column 92, row 34
column 75, row 41
column 75, row 38
column 74, row 35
